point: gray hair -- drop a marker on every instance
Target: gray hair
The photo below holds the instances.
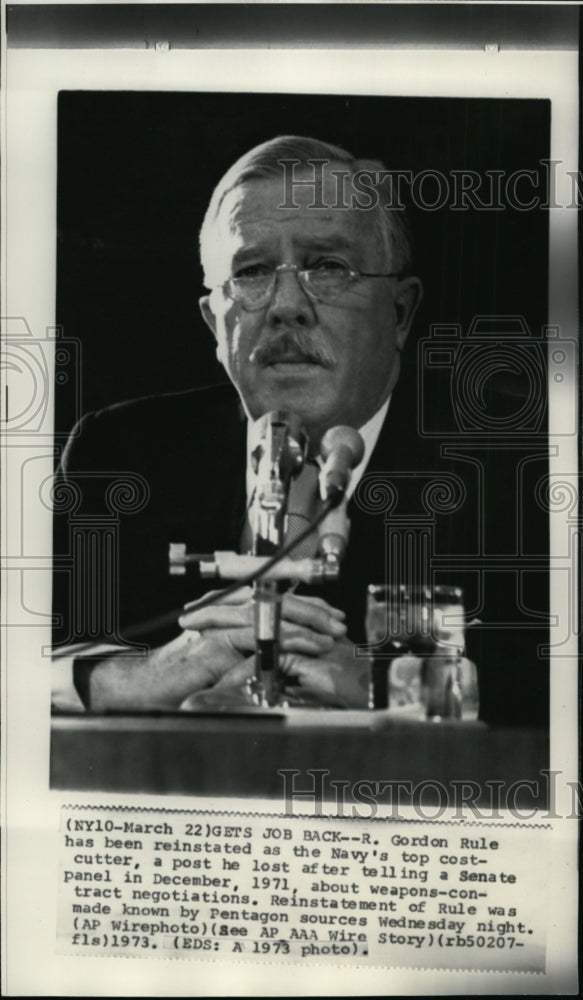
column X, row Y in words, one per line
column 264, row 161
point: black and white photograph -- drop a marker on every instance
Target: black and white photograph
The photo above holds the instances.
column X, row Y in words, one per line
column 431, row 350
column 291, row 531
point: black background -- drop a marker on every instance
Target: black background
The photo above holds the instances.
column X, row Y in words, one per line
column 136, row 170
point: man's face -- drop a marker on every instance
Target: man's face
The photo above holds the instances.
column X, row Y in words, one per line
column 329, row 363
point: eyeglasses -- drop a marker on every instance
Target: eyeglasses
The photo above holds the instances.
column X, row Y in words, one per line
column 324, row 282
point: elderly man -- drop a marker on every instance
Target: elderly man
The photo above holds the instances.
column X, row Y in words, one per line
column 311, row 299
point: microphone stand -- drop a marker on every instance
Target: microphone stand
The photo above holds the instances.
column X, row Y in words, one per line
column 267, row 596
column 278, row 457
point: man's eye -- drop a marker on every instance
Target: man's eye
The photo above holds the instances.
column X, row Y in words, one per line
column 253, row 271
column 328, row 265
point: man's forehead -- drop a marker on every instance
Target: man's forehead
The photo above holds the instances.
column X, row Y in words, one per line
column 260, row 204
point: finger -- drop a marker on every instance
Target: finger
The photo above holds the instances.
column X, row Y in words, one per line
column 216, row 616
column 312, row 613
column 214, row 640
column 231, row 689
column 298, row 639
column 237, row 597
column 345, row 687
column 318, row 602
column 305, row 700
column 311, row 673
column 238, row 674
column 293, row 666
column 292, row 639
column 307, row 642
column 317, row 616
column 241, row 639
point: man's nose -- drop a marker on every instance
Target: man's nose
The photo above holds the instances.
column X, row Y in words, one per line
column 289, row 303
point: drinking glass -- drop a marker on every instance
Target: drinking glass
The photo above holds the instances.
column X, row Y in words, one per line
column 416, row 640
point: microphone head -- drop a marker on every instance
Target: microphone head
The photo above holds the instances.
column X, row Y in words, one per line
column 280, row 446
column 343, row 449
column 343, row 437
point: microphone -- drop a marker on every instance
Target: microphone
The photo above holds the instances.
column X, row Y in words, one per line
column 278, row 456
column 343, row 449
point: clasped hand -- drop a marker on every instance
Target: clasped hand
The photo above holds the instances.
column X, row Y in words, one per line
column 210, row 662
column 315, row 654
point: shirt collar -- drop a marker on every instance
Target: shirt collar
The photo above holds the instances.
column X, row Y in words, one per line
column 369, row 433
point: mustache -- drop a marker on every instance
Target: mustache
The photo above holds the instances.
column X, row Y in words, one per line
column 294, row 345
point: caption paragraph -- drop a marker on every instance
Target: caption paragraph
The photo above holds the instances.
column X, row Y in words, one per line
column 370, row 892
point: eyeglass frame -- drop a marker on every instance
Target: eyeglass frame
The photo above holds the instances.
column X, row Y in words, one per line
column 299, row 271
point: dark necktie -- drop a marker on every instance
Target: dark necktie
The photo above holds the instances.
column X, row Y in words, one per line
column 304, row 505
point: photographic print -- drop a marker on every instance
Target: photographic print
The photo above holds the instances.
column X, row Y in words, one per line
column 290, row 437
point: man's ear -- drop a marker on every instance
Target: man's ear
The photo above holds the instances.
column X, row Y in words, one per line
column 408, row 295
column 207, row 313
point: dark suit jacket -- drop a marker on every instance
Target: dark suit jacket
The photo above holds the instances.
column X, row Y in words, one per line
column 418, row 514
